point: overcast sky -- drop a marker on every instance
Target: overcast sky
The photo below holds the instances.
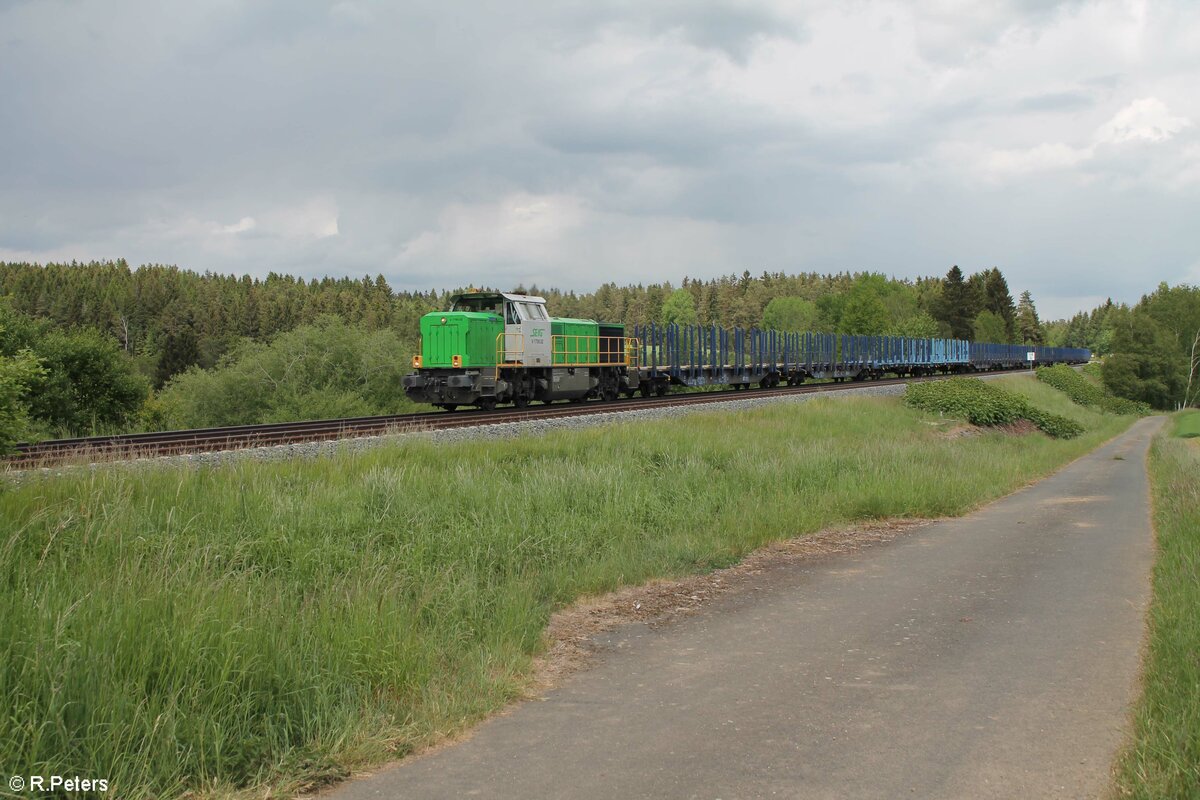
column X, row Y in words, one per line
column 569, row 143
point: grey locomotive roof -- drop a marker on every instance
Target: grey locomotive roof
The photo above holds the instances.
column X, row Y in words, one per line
column 520, row 298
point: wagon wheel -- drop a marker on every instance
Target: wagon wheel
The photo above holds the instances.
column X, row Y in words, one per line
column 660, row 389
column 520, row 400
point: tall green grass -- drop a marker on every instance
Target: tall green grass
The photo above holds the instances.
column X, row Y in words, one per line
column 1187, row 425
column 1164, row 759
column 210, row 630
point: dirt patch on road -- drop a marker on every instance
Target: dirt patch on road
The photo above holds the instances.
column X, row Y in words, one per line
column 571, row 632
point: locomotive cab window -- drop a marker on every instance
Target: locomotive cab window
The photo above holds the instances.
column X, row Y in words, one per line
column 511, row 317
column 533, row 311
column 482, row 304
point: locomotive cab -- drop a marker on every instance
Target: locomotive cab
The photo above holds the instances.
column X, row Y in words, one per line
column 526, row 339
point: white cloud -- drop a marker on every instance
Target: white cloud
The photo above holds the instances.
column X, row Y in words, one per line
column 1034, row 159
column 1146, row 119
column 314, row 219
column 1146, row 123
column 519, row 227
column 241, row 226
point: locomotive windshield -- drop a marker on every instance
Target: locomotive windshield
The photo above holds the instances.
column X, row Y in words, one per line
column 533, row 311
column 513, row 310
column 493, row 304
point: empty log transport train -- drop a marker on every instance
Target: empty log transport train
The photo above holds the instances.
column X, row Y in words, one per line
column 496, row 347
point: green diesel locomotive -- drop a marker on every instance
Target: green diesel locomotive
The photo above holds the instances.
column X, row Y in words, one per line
column 496, row 347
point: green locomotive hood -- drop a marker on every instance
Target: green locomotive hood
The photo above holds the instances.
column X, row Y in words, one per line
column 470, row 335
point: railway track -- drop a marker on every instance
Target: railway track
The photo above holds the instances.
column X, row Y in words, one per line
column 141, row 445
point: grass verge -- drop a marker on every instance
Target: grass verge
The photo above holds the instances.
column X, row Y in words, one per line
column 263, row 626
column 1187, row 425
column 1163, row 760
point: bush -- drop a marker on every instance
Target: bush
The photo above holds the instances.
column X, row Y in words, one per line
column 982, row 404
column 84, row 384
column 325, row 370
column 1086, row 393
column 17, row 373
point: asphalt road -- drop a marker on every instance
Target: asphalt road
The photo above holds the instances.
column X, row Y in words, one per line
column 990, row 656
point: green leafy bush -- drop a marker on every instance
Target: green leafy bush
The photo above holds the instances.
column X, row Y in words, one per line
column 329, row 369
column 84, row 384
column 983, row 404
column 1086, row 393
column 16, row 374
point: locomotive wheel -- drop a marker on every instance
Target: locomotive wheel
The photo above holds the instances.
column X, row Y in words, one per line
column 487, row 404
column 520, row 401
column 449, row 406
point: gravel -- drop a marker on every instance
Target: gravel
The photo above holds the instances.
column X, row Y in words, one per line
column 506, row 430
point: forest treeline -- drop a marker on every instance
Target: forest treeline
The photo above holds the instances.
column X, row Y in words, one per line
column 100, row 347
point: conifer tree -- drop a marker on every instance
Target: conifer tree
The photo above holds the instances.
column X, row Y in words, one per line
column 999, row 301
column 955, row 305
column 1029, row 327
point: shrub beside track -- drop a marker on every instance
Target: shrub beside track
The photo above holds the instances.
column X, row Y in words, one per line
column 973, row 400
column 1088, row 393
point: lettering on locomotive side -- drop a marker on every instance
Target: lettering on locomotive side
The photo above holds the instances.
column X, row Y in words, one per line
column 537, row 332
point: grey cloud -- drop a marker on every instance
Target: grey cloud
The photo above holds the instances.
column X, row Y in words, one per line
column 1056, row 101
column 732, row 29
column 143, row 129
column 1103, row 81
column 957, row 34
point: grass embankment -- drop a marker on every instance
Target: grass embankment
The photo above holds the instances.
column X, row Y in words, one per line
column 1164, row 759
column 256, row 624
column 1187, row 425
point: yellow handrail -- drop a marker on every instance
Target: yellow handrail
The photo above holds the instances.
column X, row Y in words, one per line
column 573, row 350
column 633, row 352
column 503, row 351
column 580, row 350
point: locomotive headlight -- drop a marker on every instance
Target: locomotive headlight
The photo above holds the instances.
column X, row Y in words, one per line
column 416, row 362
column 443, row 320
column 456, row 361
